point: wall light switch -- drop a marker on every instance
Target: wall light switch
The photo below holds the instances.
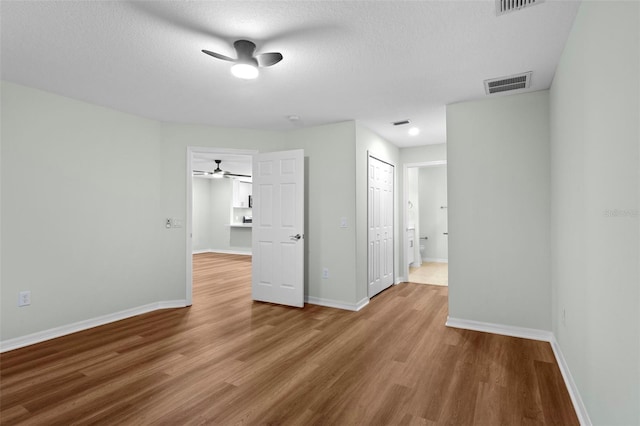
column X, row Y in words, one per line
column 325, row 273
column 24, row 298
column 168, row 223
column 343, row 222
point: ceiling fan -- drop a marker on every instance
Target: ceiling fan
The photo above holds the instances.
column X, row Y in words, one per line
column 246, row 64
column 218, row 172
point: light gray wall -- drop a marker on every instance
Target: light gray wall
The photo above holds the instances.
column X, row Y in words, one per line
column 82, row 223
column 94, row 213
column 432, row 188
column 595, row 171
column 240, row 240
column 498, row 195
column 221, row 194
column 368, row 142
column 336, row 189
column 330, row 195
column 202, row 223
column 98, row 220
column 423, row 154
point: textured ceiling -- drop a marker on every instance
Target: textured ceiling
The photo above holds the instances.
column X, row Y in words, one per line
column 372, row 61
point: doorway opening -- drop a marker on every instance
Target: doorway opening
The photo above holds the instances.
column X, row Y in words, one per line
column 276, row 243
column 218, row 204
column 426, row 219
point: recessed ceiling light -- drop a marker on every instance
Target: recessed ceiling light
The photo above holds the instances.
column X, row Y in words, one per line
column 244, row 71
column 293, row 118
column 414, row 131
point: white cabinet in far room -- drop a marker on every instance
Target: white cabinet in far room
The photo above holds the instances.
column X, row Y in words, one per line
column 241, row 193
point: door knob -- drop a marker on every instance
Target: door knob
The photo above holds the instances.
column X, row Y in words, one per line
column 295, row 237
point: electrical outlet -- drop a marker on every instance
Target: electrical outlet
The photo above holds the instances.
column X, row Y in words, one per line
column 325, row 273
column 24, row 298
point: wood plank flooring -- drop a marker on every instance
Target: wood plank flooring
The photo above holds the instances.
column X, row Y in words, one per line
column 227, row 360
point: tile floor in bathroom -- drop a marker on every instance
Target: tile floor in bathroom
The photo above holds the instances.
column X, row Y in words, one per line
column 435, row 273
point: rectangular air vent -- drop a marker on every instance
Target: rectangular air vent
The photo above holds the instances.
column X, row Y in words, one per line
column 504, row 84
column 400, row 123
column 506, row 6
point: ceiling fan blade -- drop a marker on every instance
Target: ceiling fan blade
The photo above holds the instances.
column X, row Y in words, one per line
column 238, row 175
column 199, row 172
column 268, row 59
column 218, row 56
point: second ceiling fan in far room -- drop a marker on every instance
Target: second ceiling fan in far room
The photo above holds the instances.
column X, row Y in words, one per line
column 218, row 172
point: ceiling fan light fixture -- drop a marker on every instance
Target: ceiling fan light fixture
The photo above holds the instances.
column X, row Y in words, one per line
column 244, row 71
column 246, row 62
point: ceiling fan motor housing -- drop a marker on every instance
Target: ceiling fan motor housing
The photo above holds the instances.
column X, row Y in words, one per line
column 245, row 50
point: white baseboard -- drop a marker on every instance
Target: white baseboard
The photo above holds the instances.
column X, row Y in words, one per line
column 533, row 334
column 52, row 333
column 434, row 259
column 399, row 280
column 361, row 304
column 337, row 304
column 578, row 404
column 240, row 252
column 505, row 330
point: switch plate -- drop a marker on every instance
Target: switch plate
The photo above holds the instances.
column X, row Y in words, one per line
column 325, row 273
column 24, row 298
column 343, row 222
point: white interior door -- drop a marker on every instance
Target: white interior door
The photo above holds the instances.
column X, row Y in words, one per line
column 278, row 226
column 380, row 223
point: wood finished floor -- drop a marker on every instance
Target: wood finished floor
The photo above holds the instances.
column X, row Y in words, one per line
column 228, row 360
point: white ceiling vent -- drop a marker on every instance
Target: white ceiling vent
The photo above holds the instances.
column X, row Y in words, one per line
column 506, row 6
column 504, row 84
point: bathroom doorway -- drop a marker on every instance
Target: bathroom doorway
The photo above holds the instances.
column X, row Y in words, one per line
column 427, row 223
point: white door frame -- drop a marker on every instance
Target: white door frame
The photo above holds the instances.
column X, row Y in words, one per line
column 189, row 210
column 405, row 214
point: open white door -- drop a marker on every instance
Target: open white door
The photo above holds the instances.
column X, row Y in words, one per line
column 278, row 227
